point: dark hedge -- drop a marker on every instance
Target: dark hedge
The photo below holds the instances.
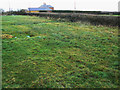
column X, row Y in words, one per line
column 73, row 17
column 88, row 12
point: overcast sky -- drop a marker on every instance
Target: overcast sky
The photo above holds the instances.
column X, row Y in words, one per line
column 88, row 5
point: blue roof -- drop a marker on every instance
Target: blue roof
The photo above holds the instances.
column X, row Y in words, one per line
column 45, row 6
column 49, row 6
column 39, row 9
column 42, row 7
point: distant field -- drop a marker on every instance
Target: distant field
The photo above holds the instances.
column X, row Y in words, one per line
column 40, row 53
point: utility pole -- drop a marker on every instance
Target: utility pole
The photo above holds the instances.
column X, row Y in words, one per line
column 9, row 5
column 119, row 6
column 74, row 4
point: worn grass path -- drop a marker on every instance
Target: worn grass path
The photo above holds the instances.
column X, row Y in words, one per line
column 54, row 54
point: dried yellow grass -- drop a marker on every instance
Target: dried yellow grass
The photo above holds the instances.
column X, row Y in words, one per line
column 6, row 36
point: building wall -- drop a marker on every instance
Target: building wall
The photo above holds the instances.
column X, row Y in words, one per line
column 32, row 11
column 52, row 8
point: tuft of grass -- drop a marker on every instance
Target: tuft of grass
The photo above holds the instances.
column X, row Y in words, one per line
column 55, row 54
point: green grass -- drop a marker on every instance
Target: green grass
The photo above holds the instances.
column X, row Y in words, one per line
column 58, row 54
column 109, row 15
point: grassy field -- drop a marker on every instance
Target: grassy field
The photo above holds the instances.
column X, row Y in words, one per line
column 40, row 53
